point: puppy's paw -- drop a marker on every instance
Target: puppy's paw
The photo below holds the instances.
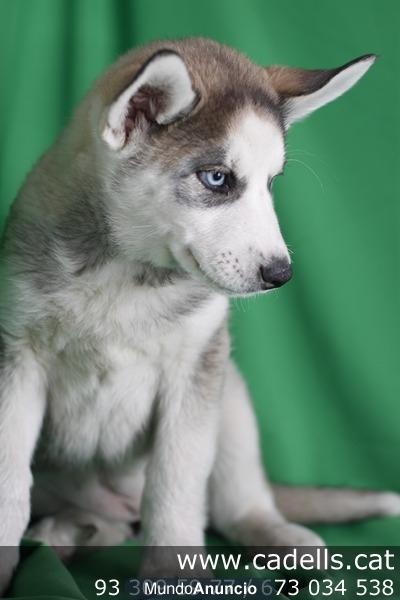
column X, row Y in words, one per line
column 77, row 529
column 9, row 557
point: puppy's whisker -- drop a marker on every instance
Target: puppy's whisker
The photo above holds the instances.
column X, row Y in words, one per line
column 301, row 151
column 301, row 162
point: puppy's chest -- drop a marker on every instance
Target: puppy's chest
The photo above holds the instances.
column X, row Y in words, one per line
column 100, row 400
column 103, row 383
column 111, row 350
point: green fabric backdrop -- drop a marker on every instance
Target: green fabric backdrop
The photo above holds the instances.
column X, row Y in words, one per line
column 321, row 356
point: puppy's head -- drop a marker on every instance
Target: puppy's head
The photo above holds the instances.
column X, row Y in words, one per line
column 191, row 137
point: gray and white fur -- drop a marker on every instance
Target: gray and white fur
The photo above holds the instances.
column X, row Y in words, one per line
column 118, row 398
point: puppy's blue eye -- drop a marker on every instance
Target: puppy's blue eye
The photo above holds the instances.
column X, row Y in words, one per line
column 213, row 180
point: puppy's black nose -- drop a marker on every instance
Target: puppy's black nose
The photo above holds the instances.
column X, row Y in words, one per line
column 276, row 273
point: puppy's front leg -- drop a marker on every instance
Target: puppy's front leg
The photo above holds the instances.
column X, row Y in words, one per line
column 22, row 402
column 174, row 504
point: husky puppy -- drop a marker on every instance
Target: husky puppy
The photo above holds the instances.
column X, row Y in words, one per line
column 118, row 399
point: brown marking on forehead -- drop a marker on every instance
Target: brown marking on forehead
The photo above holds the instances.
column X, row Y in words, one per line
column 208, row 128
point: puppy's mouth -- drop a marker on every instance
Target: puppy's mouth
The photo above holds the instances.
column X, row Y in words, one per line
column 191, row 264
column 187, row 260
column 196, row 269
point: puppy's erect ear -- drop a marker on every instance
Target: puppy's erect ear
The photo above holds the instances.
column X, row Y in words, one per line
column 160, row 93
column 302, row 91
